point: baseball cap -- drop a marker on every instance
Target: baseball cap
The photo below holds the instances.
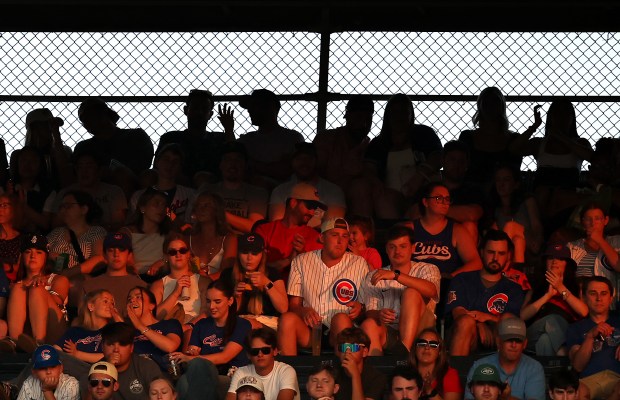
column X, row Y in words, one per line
column 334, row 223
column 45, row 356
column 117, row 240
column 251, row 381
column 511, row 328
column 105, row 368
column 251, row 243
column 360, row 103
column 486, row 373
column 41, row 115
column 259, row 96
column 558, row 251
column 95, row 104
column 307, row 192
column 34, row 241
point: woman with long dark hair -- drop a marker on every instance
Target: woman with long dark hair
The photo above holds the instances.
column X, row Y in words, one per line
column 430, row 358
column 215, row 346
column 259, row 292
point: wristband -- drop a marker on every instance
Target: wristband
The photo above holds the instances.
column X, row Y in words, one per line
column 145, row 330
column 269, row 285
column 396, row 274
column 191, row 324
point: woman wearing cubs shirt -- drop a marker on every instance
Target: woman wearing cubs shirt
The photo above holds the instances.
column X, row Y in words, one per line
column 154, row 338
column 83, row 340
column 216, row 345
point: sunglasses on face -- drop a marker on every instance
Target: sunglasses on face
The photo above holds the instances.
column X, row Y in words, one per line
column 427, row 343
column 255, row 350
column 105, row 382
column 173, row 252
column 354, row 347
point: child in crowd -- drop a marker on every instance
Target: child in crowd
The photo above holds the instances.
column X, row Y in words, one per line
column 362, row 233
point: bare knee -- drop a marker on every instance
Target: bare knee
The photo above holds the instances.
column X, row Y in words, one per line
column 370, row 326
column 464, row 325
column 412, row 298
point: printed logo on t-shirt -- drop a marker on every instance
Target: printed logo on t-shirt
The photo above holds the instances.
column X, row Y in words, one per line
column 135, row 386
column 422, row 251
column 497, row 303
column 90, row 339
column 344, row 291
column 212, row 341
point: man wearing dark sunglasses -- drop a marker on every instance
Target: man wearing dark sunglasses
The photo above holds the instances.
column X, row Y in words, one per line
column 290, row 236
column 278, row 379
column 117, row 252
column 523, row 376
column 102, row 381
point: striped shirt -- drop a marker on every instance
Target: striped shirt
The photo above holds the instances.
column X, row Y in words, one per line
column 327, row 289
column 68, row 389
column 387, row 293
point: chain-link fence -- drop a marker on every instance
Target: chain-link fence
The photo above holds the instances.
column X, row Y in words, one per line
column 146, row 75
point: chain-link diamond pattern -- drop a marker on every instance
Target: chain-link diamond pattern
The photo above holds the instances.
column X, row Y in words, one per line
column 158, row 66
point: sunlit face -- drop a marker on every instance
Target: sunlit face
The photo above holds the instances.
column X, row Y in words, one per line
column 505, row 182
column 34, row 260
column 48, row 372
column 399, row 251
column 218, row 304
column 335, row 242
column 116, row 258
column 427, row 354
column 6, row 210
column 155, row 209
column 357, row 239
column 101, row 392
column 250, row 261
column 321, row 385
column 139, row 303
column 248, row 393
column 404, row 389
column 117, row 354
column 178, row 260
column 569, row 393
column 357, row 356
column 103, row 305
column 303, row 213
column 485, row 391
column 556, row 266
column 598, row 298
column 160, row 389
column 594, row 219
column 495, row 256
column 511, row 349
column 261, row 360
column 438, row 201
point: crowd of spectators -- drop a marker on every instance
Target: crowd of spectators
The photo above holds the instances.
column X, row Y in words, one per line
column 230, row 251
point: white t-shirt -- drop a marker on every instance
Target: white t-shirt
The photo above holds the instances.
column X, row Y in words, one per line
column 282, row 376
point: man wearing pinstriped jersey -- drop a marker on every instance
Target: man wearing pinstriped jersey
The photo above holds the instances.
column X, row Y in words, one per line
column 324, row 290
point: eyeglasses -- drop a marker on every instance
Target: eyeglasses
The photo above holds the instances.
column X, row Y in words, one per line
column 105, row 382
column 427, row 343
column 441, row 199
column 255, row 350
column 173, row 252
column 354, row 347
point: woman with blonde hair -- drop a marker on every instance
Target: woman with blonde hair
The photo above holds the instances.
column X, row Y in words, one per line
column 83, row 339
column 260, row 292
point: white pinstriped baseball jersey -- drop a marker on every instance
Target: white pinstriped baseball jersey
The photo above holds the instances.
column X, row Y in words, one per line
column 327, row 290
column 68, row 389
column 387, row 293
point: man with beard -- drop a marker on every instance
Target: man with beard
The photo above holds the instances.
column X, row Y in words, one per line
column 524, row 376
column 324, row 290
column 305, row 170
column 341, row 151
column 477, row 299
column 287, row 237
